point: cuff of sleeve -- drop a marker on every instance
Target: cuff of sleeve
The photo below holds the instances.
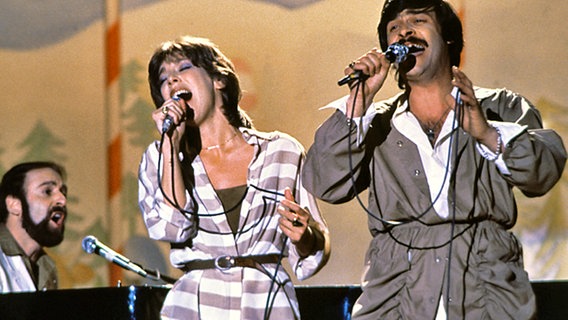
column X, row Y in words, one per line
column 507, row 132
column 306, row 267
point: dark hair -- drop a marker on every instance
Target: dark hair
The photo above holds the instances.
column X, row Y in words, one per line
column 446, row 16
column 204, row 54
column 13, row 182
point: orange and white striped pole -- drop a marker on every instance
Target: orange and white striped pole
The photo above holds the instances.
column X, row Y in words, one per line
column 113, row 129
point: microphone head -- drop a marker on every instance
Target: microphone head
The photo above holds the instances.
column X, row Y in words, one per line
column 89, row 244
column 396, row 52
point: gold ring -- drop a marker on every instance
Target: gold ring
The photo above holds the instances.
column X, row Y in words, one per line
column 165, row 109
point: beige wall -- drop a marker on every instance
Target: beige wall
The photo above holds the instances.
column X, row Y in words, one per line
column 289, row 61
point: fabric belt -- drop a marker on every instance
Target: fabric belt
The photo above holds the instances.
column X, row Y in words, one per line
column 224, row 263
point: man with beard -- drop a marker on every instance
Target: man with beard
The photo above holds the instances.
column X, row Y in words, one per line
column 439, row 161
column 33, row 200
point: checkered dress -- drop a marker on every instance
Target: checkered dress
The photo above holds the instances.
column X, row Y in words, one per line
column 238, row 293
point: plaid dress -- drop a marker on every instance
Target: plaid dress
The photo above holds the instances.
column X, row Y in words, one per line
column 237, row 293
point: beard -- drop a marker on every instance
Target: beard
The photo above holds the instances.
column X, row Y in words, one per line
column 41, row 232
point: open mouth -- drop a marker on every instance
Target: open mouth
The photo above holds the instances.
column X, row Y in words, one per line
column 182, row 94
column 185, row 95
column 58, row 217
column 413, row 48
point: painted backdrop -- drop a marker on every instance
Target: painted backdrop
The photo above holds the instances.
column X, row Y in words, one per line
column 73, row 90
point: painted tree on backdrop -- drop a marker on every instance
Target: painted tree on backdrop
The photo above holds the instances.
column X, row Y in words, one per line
column 139, row 133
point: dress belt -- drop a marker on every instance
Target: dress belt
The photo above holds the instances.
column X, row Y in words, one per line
column 224, row 263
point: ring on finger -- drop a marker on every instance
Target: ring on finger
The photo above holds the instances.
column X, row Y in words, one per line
column 296, row 222
column 165, row 109
column 352, row 64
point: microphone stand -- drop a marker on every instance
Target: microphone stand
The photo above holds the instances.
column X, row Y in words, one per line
column 91, row 245
column 156, row 275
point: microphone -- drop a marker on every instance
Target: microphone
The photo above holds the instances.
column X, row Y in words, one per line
column 396, row 53
column 167, row 125
column 168, row 121
column 91, row 244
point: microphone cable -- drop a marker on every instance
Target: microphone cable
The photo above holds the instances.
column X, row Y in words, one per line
column 458, row 118
column 388, row 223
column 271, row 297
column 272, row 196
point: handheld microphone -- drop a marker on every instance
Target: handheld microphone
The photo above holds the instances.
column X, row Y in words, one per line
column 168, row 121
column 91, row 244
column 167, row 125
column 396, row 53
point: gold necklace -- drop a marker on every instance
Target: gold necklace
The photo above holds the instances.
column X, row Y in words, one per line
column 218, row 146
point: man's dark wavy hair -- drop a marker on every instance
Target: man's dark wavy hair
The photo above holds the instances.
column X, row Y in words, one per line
column 450, row 24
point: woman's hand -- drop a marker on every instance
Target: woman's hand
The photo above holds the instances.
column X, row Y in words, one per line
column 176, row 111
column 294, row 222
